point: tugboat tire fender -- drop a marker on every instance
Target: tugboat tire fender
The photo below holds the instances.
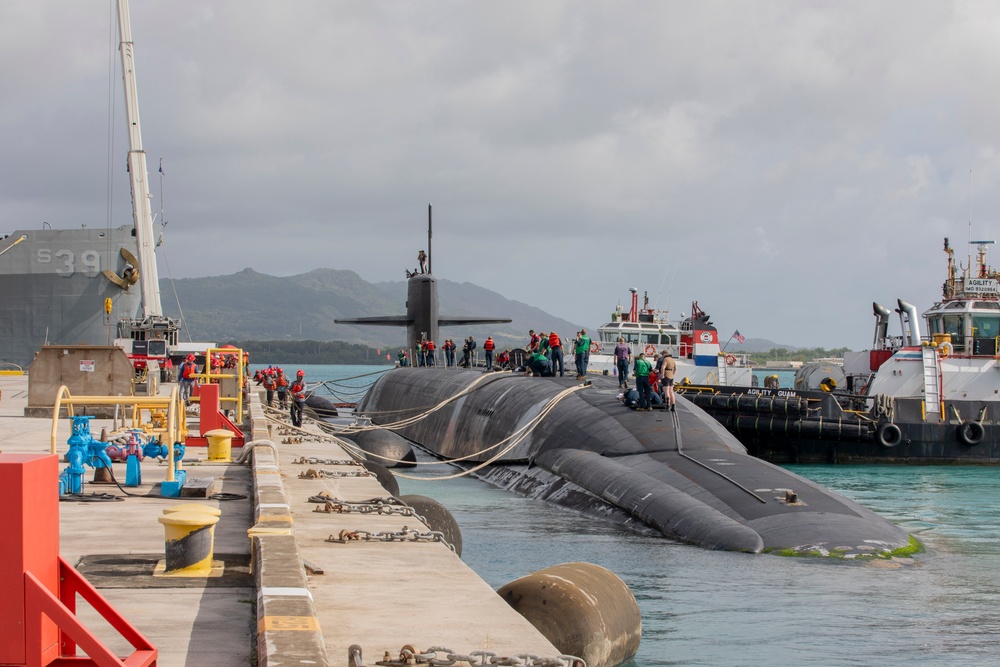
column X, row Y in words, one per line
column 971, row 433
column 889, row 435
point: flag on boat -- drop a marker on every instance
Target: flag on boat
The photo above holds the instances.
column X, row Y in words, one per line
column 740, row 338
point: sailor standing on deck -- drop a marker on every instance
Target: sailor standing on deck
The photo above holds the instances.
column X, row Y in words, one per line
column 555, row 347
column 533, row 341
column 269, row 385
column 667, row 380
column 488, row 347
column 642, row 369
column 582, row 352
column 622, row 356
column 187, row 377
column 281, row 386
column 298, row 398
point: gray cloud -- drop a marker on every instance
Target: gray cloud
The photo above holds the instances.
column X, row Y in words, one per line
column 782, row 163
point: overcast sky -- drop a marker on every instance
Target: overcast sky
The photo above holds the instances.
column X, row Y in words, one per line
column 783, row 163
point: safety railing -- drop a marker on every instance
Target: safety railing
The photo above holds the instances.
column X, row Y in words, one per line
column 175, row 428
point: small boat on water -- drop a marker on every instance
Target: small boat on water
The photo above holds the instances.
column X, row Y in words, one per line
column 911, row 398
column 693, row 342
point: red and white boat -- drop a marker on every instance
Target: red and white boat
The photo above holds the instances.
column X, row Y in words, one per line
column 693, row 342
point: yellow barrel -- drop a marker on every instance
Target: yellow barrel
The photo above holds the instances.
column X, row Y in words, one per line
column 190, row 542
column 193, row 507
column 220, row 444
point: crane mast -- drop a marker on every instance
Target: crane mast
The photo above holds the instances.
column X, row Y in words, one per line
column 148, row 339
column 138, row 177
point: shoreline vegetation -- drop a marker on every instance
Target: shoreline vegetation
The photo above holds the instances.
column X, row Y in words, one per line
column 341, row 352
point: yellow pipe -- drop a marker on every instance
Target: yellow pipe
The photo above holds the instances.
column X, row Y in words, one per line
column 170, row 402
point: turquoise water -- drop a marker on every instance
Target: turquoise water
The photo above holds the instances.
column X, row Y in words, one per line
column 716, row 608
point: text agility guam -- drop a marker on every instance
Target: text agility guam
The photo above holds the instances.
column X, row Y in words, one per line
column 781, row 393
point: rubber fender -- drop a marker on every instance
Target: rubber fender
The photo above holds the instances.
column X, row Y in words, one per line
column 889, row 435
column 438, row 518
column 388, row 448
column 583, row 609
column 355, row 452
column 321, row 406
column 384, row 477
column 971, row 433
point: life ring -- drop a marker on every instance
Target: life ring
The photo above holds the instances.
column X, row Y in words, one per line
column 971, row 433
column 650, row 350
column 594, row 347
column 945, row 349
column 889, row 435
column 730, row 359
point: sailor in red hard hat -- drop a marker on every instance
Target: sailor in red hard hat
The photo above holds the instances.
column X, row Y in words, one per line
column 186, row 377
column 281, row 386
column 298, row 398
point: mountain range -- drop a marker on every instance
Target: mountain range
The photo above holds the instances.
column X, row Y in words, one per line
column 255, row 306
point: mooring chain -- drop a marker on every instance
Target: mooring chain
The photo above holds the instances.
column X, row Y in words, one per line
column 347, row 508
column 325, row 497
column 312, row 473
column 327, row 462
column 437, row 656
column 405, row 535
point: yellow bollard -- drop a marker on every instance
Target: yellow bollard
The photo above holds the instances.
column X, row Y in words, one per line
column 220, row 445
column 193, row 507
column 190, row 543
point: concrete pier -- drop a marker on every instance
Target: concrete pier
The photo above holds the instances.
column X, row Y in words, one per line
column 264, row 606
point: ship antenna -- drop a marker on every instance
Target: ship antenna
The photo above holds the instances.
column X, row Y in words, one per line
column 430, row 255
column 670, row 287
column 970, row 217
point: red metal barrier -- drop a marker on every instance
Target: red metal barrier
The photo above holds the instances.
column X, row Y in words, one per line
column 210, row 418
column 38, row 624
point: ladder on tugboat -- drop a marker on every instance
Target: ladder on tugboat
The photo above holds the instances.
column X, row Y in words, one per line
column 932, row 381
column 723, row 368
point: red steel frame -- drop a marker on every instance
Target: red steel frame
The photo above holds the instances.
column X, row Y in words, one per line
column 38, row 623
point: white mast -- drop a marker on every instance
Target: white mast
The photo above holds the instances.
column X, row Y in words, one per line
column 142, row 218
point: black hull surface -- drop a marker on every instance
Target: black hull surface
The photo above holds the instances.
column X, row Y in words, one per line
column 789, row 426
column 680, row 473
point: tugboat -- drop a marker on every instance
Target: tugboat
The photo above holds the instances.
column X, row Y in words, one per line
column 912, row 398
column 693, row 342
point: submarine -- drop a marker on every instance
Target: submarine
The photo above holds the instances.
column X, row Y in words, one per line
column 577, row 445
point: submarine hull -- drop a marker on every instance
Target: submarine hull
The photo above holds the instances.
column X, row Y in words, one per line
column 680, row 473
